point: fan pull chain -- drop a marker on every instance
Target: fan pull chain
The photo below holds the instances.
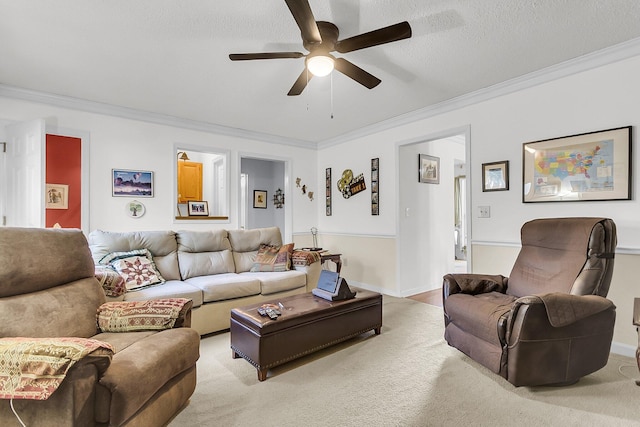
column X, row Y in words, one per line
column 305, row 95
column 332, row 94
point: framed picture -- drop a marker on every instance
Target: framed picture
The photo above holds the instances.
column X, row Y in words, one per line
column 260, row 199
column 585, row 167
column 198, row 208
column 135, row 209
column 132, row 183
column 429, row 169
column 495, row 176
column 328, row 191
column 57, row 196
column 375, row 195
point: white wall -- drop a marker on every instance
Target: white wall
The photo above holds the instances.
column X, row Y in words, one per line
column 132, row 144
column 597, row 99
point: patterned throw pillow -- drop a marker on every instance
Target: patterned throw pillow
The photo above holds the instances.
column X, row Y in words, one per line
column 137, row 272
column 136, row 268
column 273, row 258
column 128, row 316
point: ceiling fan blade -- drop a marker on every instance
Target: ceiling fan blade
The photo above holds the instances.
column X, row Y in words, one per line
column 384, row 35
column 303, row 15
column 356, row 73
column 301, row 83
column 264, row 55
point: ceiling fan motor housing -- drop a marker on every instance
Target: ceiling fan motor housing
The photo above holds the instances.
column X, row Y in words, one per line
column 328, row 33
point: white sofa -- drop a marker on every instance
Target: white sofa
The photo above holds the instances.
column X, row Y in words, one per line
column 209, row 267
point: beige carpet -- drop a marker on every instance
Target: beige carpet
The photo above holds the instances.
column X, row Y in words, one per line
column 407, row 376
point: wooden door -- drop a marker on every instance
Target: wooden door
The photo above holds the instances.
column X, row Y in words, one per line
column 189, row 181
column 25, row 172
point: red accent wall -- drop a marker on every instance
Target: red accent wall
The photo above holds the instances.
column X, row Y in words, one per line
column 64, row 166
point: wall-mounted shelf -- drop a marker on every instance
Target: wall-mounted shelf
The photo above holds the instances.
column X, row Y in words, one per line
column 203, row 217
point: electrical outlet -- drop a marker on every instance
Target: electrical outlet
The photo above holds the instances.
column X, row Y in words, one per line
column 484, row 211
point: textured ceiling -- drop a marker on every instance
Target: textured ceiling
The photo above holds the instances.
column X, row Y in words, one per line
column 171, row 57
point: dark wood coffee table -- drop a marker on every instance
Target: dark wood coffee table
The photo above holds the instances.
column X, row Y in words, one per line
column 307, row 324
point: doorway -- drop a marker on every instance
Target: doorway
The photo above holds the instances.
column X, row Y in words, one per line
column 433, row 219
column 261, row 175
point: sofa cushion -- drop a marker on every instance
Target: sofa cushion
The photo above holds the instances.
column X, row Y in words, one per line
column 273, row 258
column 201, row 253
column 162, row 245
column 169, row 289
column 250, row 240
column 34, row 259
column 245, row 245
column 64, row 311
column 127, row 316
column 134, row 375
column 272, row 282
column 219, row 287
column 121, row 340
column 205, row 263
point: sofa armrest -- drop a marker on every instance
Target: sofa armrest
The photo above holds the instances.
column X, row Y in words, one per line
column 313, row 273
column 158, row 314
column 473, row 284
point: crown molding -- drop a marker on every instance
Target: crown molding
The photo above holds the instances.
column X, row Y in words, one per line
column 586, row 62
column 577, row 65
column 145, row 116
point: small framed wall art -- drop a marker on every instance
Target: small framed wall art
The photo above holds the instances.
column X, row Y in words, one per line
column 428, row 169
column 198, row 208
column 132, row 183
column 260, row 199
column 57, row 196
column 495, row 176
column 135, row 209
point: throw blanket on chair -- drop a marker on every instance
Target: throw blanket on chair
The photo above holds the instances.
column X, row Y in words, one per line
column 33, row 368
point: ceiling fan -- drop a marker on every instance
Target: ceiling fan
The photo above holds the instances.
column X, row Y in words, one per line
column 320, row 38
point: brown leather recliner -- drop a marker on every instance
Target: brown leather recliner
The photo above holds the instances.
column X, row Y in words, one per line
column 549, row 322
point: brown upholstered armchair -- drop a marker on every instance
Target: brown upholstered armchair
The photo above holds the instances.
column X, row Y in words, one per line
column 549, row 322
column 48, row 293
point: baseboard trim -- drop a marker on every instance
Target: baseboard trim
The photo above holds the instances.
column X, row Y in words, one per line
column 623, row 349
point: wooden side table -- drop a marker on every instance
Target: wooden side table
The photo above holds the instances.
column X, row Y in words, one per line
column 335, row 258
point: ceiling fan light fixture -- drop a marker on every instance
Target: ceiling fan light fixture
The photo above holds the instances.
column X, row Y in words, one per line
column 320, row 65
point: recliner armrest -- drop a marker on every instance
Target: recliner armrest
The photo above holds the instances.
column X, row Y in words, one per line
column 565, row 309
column 158, row 314
column 473, row 284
